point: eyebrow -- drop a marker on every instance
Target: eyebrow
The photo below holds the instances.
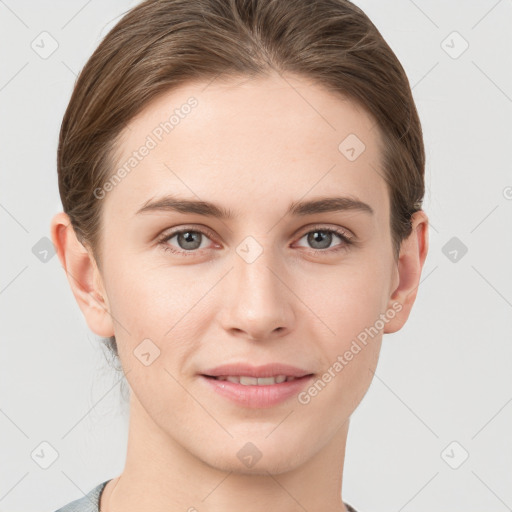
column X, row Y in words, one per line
column 297, row 208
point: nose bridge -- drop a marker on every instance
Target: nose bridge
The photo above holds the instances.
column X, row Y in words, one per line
column 255, row 276
column 260, row 301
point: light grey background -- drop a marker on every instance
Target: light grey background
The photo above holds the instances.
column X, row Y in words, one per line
column 446, row 376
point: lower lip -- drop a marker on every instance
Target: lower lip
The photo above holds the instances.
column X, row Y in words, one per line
column 258, row 396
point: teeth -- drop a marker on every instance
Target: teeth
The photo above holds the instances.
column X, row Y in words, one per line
column 253, row 381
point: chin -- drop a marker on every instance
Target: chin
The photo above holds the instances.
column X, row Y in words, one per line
column 257, row 456
column 272, row 466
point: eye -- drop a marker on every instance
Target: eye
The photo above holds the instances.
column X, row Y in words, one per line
column 320, row 239
column 188, row 241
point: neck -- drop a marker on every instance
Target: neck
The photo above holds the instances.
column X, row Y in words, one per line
column 161, row 475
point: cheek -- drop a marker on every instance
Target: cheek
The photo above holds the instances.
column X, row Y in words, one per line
column 351, row 299
column 153, row 301
column 350, row 342
column 157, row 315
column 350, row 307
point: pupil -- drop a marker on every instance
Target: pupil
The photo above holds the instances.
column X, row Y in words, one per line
column 189, row 242
column 319, row 236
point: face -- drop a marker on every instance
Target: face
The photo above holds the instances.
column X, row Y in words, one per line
column 272, row 281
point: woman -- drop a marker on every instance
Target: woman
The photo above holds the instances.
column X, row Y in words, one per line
column 242, row 184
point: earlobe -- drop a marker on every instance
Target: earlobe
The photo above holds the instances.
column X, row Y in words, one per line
column 83, row 276
column 413, row 253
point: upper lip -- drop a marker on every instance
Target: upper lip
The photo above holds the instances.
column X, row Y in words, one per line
column 267, row 370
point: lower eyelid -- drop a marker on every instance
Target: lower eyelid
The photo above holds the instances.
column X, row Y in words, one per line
column 164, row 240
column 345, row 238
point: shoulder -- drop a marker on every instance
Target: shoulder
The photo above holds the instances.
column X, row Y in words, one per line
column 88, row 503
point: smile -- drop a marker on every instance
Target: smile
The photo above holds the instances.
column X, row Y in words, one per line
column 253, row 381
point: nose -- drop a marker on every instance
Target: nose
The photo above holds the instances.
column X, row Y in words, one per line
column 258, row 304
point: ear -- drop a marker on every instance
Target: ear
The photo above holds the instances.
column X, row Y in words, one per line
column 83, row 276
column 413, row 252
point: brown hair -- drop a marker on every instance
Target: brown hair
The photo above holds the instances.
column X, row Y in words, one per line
column 160, row 45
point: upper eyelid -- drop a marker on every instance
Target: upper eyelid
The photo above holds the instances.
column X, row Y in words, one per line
column 324, row 227
column 203, row 230
column 206, row 231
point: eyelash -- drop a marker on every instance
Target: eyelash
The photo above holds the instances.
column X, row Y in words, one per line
column 346, row 239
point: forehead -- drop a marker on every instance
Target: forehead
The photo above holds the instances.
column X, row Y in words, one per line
column 243, row 142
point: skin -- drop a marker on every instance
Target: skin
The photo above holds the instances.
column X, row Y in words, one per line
column 253, row 146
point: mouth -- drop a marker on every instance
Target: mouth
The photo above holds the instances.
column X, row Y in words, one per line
column 252, row 386
column 257, row 392
column 246, row 380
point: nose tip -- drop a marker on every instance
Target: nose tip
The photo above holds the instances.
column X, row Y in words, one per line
column 260, row 303
column 253, row 334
